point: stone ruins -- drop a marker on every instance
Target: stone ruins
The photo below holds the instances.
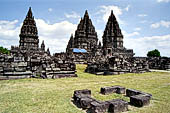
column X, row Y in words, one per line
column 28, row 60
column 83, row 99
column 107, row 58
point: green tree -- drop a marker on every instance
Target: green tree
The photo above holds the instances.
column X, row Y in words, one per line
column 153, row 53
column 4, row 50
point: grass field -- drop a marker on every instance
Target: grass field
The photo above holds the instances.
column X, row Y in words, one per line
column 54, row 95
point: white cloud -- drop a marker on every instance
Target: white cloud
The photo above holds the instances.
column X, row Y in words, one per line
column 50, row 9
column 137, row 29
column 9, row 33
column 55, row 36
column 142, row 15
column 127, row 8
column 142, row 45
column 106, row 11
column 143, row 21
column 72, row 15
column 161, row 23
column 130, row 34
column 163, row 1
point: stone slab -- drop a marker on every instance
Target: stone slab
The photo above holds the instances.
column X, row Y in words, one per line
column 140, row 100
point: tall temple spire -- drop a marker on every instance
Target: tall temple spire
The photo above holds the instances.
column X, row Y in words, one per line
column 85, row 35
column 29, row 33
column 112, row 37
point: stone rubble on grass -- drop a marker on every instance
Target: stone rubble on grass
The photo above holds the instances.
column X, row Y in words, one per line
column 83, row 99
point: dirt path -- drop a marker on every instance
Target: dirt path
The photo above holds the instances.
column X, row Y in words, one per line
column 154, row 70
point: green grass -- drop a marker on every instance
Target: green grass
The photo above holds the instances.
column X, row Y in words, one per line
column 54, row 95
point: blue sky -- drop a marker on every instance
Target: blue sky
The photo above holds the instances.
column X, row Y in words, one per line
column 145, row 23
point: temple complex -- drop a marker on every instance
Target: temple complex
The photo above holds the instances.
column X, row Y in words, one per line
column 106, row 58
column 90, row 49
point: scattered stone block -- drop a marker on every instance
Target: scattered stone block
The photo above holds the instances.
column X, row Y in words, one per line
column 117, row 106
column 84, row 91
column 132, row 92
column 85, row 102
column 120, row 90
column 140, row 100
column 99, row 107
column 113, row 89
column 108, row 90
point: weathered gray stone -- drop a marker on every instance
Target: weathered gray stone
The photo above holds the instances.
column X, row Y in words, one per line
column 140, row 100
column 132, row 92
column 99, row 107
column 85, row 102
column 108, row 90
column 113, row 89
column 117, row 106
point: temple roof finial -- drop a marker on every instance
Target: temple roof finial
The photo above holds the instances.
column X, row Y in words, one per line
column 29, row 14
column 86, row 14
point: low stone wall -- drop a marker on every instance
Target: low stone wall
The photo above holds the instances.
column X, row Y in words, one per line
column 117, row 65
column 12, row 67
column 161, row 63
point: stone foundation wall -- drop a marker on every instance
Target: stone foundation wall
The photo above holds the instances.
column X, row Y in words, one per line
column 162, row 63
column 12, row 67
column 118, row 65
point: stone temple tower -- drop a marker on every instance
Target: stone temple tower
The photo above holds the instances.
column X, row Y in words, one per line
column 113, row 39
column 112, row 36
column 85, row 35
column 29, row 34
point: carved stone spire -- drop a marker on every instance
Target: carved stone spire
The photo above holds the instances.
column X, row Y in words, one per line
column 29, row 33
column 29, row 14
column 48, row 51
column 85, row 35
column 112, row 37
column 100, row 45
column 70, row 44
column 43, row 46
